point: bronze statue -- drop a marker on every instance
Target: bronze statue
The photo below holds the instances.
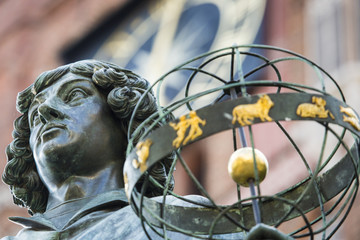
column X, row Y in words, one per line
column 66, row 160
column 65, row 163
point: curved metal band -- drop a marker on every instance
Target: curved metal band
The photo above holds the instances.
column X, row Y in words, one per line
column 219, row 118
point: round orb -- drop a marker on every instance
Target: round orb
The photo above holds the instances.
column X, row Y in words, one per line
column 241, row 165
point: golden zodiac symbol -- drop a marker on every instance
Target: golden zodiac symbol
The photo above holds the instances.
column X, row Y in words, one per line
column 350, row 118
column 142, row 152
column 314, row 109
column 181, row 127
column 260, row 109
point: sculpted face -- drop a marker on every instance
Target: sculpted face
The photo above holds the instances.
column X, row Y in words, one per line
column 73, row 131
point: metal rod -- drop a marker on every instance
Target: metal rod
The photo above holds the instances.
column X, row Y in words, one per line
column 255, row 203
column 240, row 129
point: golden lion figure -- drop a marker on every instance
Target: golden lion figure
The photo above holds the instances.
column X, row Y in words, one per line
column 351, row 117
column 260, row 109
column 314, row 109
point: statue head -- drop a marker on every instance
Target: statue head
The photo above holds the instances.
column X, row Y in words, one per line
column 114, row 94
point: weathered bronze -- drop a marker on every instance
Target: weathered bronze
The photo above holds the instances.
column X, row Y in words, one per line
column 66, row 161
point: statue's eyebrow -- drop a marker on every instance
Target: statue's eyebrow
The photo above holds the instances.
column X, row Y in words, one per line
column 66, row 85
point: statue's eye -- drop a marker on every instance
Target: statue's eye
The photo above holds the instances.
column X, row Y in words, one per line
column 76, row 94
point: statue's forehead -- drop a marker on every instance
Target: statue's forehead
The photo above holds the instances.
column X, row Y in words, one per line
column 67, row 79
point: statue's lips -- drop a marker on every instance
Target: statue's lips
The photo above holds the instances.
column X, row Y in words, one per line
column 49, row 131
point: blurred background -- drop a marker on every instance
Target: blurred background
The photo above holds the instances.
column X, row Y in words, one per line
column 151, row 37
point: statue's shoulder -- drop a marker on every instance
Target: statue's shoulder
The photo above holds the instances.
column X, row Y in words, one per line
column 121, row 224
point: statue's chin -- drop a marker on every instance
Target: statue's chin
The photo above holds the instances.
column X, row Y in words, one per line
column 57, row 148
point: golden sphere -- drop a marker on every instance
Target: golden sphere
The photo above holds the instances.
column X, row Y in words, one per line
column 241, row 165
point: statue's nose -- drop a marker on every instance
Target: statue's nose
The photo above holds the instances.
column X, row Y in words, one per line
column 48, row 112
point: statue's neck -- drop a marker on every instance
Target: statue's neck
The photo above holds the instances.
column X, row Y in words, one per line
column 78, row 187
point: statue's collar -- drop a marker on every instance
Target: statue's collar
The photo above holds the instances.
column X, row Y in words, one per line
column 102, row 201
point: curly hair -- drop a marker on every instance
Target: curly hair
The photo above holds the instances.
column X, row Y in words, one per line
column 123, row 89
